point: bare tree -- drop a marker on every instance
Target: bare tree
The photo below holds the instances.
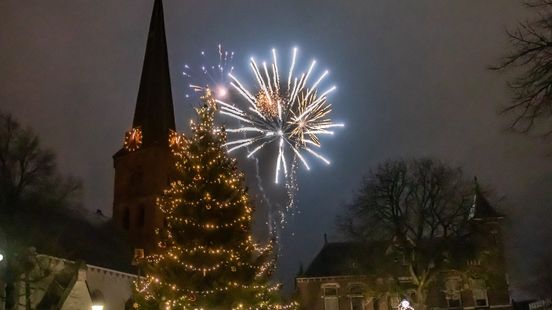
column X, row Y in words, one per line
column 29, row 182
column 27, row 170
column 532, row 58
column 419, row 207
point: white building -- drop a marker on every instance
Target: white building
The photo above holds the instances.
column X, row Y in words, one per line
column 57, row 283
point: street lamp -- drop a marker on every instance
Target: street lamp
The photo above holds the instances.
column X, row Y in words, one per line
column 97, row 307
column 1, row 257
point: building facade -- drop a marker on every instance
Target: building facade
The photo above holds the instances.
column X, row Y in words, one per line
column 347, row 276
column 57, row 283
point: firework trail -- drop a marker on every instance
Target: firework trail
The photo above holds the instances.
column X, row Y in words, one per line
column 212, row 74
column 289, row 113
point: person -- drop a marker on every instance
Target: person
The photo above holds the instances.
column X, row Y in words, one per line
column 405, row 305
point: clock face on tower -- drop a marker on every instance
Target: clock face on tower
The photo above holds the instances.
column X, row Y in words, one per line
column 133, row 139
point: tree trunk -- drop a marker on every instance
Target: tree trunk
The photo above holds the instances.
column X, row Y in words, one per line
column 11, row 296
column 421, row 298
column 27, row 291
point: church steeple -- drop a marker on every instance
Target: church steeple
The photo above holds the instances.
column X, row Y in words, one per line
column 154, row 113
column 143, row 167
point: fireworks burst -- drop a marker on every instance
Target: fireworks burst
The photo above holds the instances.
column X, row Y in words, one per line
column 212, row 74
column 291, row 114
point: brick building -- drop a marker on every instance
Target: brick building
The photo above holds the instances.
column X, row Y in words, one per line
column 347, row 275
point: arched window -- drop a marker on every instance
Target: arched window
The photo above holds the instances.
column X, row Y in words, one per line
column 479, row 291
column 453, row 293
column 330, row 295
column 356, row 296
column 141, row 219
column 126, row 219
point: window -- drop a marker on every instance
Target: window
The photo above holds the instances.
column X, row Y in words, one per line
column 331, row 299
column 126, row 219
column 356, row 297
column 141, row 219
column 453, row 293
column 479, row 291
column 454, row 301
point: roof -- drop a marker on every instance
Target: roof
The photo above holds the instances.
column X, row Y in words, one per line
column 68, row 233
column 154, row 112
column 352, row 258
column 344, row 258
column 481, row 208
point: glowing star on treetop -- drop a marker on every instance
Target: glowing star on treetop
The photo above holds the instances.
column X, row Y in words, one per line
column 292, row 113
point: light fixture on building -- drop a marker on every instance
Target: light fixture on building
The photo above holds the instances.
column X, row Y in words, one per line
column 97, row 300
column 1, row 257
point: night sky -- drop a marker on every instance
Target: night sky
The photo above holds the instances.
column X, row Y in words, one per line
column 412, row 81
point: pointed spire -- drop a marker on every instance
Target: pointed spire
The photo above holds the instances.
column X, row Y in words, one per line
column 154, row 112
column 481, row 208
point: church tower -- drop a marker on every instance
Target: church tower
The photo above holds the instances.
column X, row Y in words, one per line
column 143, row 165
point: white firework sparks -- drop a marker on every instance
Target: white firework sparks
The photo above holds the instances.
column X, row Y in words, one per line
column 291, row 114
column 212, row 74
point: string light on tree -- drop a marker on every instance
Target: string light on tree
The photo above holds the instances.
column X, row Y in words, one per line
column 207, row 256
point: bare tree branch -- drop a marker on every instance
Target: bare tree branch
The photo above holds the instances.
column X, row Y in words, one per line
column 531, row 58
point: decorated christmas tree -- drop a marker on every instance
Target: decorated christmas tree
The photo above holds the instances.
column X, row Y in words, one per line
column 207, row 257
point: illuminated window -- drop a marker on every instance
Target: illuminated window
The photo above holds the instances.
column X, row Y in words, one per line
column 331, row 299
column 453, row 293
column 479, row 291
column 356, row 296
